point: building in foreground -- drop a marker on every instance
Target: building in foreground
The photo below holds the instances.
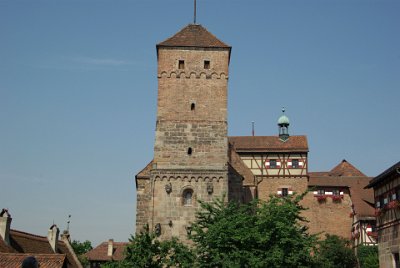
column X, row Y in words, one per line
column 106, row 252
column 387, row 210
column 51, row 251
column 194, row 159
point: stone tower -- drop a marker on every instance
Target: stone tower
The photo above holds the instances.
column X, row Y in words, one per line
column 191, row 145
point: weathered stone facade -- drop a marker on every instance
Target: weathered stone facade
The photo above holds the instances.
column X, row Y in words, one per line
column 194, row 159
column 191, row 145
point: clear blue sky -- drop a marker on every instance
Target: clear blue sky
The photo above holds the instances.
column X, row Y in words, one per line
column 78, row 92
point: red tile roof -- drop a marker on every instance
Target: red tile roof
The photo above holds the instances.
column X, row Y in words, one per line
column 99, row 253
column 269, row 144
column 14, row 260
column 237, row 163
column 346, row 175
column 193, row 35
column 22, row 242
column 346, row 169
column 145, row 172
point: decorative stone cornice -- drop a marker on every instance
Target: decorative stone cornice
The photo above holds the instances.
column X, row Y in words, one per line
column 207, row 175
column 188, row 75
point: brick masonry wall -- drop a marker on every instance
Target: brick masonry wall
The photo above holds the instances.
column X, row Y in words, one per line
column 207, row 140
column 179, row 88
column 326, row 217
column 192, row 109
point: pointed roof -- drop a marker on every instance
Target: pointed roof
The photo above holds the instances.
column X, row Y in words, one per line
column 346, row 169
column 193, row 35
column 347, row 176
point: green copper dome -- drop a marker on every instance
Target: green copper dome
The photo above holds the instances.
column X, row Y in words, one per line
column 283, row 119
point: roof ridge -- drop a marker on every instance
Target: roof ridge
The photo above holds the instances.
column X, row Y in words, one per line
column 18, row 232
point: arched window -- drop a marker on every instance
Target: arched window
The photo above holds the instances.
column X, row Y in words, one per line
column 187, row 197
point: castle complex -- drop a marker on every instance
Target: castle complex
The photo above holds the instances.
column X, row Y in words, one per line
column 194, row 159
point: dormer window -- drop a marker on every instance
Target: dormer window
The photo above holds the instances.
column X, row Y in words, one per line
column 181, row 64
column 206, row 64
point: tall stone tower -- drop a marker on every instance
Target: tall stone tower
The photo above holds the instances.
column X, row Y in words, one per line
column 191, row 145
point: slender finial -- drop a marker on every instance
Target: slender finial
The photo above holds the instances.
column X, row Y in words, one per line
column 283, row 109
column 194, row 18
column 252, row 128
column 69, row 220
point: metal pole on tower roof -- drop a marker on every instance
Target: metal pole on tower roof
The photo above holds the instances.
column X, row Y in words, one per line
column 194, row 19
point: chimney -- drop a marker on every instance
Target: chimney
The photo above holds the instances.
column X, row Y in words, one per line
column 52, row 236
column 110, row 247
column 5, row 223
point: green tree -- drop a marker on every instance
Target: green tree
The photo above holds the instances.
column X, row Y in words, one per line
column 145, row 250
column 258, row 234
column 368, row 256
column 80, row 248
column 335, row 252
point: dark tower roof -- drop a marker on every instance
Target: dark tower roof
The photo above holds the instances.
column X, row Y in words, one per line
column 194, row 35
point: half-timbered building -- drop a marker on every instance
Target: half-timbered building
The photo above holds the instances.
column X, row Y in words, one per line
column 387, row 210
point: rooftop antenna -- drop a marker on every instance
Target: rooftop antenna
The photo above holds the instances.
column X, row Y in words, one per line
column 69, row 220
column 252, row 128
column 194, row 17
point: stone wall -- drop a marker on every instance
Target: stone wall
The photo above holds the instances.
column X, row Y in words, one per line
column 328, row 217
column 324, row 217
column 168, row 208
column 207, row 141
column 388, row 245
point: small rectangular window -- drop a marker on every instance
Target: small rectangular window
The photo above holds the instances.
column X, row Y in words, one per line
column 336, row 192
column 181, row 64
column 285, row 191
column 321, row 192
column 206, row 64
column 272, row 163
column 295, row 163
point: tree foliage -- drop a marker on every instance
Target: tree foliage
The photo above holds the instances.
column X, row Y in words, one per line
column 145, row 250
column 80, row 248
column 368, row 256
column 334, row 252
column 258, row 234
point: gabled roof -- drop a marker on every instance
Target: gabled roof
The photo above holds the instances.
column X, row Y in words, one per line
column 99, row 253
column 22, row 242
column 347, row 176
column 11, row 260
column 194, row 35
column 346, row 169
column 145, row 172
column 268, row 144
column 384, row 175
column 237, row 163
